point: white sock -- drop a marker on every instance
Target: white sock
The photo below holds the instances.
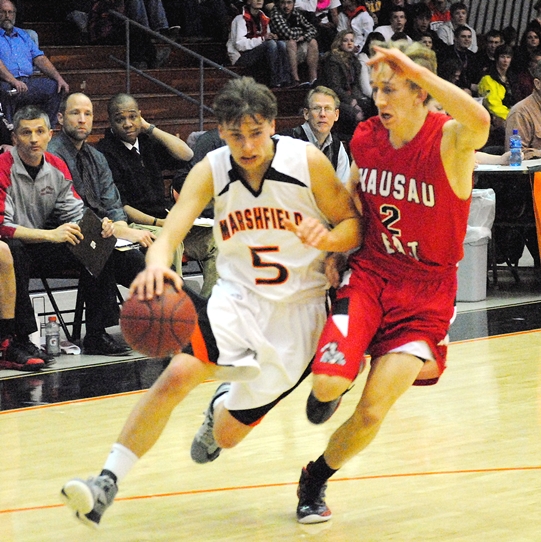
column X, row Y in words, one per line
column 120, row 461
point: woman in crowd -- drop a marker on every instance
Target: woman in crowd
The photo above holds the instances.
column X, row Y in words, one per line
column 497, row 89
column 341, row 70
column 530, row 44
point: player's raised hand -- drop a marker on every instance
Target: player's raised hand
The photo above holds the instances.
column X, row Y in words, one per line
column 397, row 60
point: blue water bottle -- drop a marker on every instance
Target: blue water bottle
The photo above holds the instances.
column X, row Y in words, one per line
column 515, row 146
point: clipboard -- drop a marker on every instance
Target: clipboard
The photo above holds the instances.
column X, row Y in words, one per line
column 94, row 250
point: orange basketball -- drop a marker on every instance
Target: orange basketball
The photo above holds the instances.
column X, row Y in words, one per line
column 161, row 326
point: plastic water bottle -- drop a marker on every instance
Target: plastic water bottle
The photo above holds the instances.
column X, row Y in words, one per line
column 52, row 337
column 515, row 146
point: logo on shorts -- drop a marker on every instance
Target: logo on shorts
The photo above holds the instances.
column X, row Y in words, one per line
column 332, row 355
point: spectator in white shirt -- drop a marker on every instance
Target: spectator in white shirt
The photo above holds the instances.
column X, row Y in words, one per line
column 459, row 16
column 398, row 24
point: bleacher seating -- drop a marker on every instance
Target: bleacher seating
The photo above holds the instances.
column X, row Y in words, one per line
column 91, row 69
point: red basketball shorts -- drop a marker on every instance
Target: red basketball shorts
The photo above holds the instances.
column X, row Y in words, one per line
column 373, row 315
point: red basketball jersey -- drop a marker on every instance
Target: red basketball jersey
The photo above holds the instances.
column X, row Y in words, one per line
column 415, row 224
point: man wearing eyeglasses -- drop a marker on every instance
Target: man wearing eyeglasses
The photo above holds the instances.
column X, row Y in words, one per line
column 320, row 113
column 19, row 55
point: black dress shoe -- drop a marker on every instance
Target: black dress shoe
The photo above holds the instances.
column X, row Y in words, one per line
column 104, row 345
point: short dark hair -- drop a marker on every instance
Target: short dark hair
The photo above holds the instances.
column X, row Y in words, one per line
column 395, row 9
column 460, row 28
column 493, row 33
column 422, row 10
column 456, row 6
column 118, row 99
column 503, row 49
column 244, row 97
column 30, row 112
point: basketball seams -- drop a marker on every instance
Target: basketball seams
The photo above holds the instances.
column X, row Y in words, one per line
column 161, row 326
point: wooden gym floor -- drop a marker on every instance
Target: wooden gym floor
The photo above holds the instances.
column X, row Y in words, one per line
column 459, row 461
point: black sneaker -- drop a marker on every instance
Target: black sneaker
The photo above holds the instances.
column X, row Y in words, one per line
column 319, row 412
column 311, row 507
column 89, row 499
column 12, row 356
column 30, row 348
column 104, row 345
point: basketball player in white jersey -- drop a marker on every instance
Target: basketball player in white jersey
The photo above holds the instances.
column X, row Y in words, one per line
column 267, row 310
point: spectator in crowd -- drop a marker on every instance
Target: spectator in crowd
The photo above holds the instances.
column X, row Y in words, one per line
column 321, row 111
column 485, row 57
column 497, row 90
column 530, row 44
column 38, row 236
column 525, row 78
column 323, row 14
column 459, row 17
column 536, row 21
column 364, row 55
column 384, row 17
column 398, row 24
column 137, row 152
column 461, row 50
column 300, row 36
column 426, row 39
column 510, row 35
column 374, row 9
column 149, row 13
column 525, row 116
column 11, row 355
column 341, row 71
column 252, row 45
column 451, row 70
column 93, row 181
column 104, row 29
column 19, row 55
column 355, row 17
column 418, row 25
column 440, row 13
column 307, row 8
column 327, row 12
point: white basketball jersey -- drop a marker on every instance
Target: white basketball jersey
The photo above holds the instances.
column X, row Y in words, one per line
column 254, row 247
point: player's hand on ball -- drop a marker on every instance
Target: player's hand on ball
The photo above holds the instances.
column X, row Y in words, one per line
column 150, row 282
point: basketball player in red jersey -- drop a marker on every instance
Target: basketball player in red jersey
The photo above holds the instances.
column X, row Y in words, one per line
column 412, row 178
